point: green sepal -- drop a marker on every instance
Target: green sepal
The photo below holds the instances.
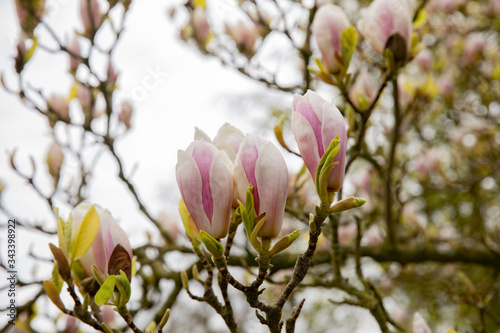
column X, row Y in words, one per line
column 56, row 278
column 324, row 169
column 348, row 43
column 99, row 276
column 105, row 291
column 123, row 285
column 261, row 219
column 284, row 242
column 213, row 246
column 31, row 51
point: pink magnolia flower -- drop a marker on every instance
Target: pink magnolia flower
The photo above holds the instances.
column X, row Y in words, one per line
column 425, row 59
column 329, row 23
column 201, row 27
column 244, row 36
column 260, row 163
column 206, row 186
column 382, row 19
column 125, row 115
column 227, row 139
column 60, row 106
column 363, row 91
column 91, row 18
column 474, row 46
column 55, row 158
column 109, row 235
column 315, row 123
column 419, row 325
column 74, row 48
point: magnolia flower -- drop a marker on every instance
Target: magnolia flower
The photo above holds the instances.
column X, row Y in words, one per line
column 384, row 18
column 206, row 186
column 329, row 23
column 315, row 123
column 201, row 27
column 54, row 160
column 474, row 46
column 244, row 36
column 425, row 59
column 91, row 17
column 363, row 91
column 227, row 139
column 74, row 48
column 260, row 164
column 60, row 106
column 109, row 235
column 29, row 13
column 419, row 325
column 125, row 115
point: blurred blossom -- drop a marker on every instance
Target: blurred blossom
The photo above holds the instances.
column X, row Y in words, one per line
column 382, row 19
column 71, row 325
column 228, row 139
column 200, row 25
column 446, row 6
column 91, row 17
column 329, row 23
column 373, row 236
column 406, row 89
column 363, row 91
column 244, row 36
column 425, row 59
column 347, row 233
column 260, row 164
column 427, row 164
column 125, row 115
column 315, row 123
column 473, row 47
column 108, row 314
column 495, row 6
column 109, row 235
column 111, row 74
column 29, row 12
column 74, row 48
column 446, row 85
column 60, row 106
column 168, row 222
column 206, row 185
column 419, row 325
column 54, row 160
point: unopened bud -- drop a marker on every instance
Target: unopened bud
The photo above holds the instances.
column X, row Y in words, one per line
column 346, row 204
column 185, row 280
column 125, row 115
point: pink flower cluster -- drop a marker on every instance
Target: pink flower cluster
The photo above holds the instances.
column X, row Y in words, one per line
column 212, row 174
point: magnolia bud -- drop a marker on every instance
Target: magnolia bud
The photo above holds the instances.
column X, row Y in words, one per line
column 125, row 115
column 474, row 45
column 260, row 164
column 244, row 36
column 315, row 123
column 111, row 73
column 54, row 160
column 74, row 48
column 91, row 16
column 386, row 18
column 363, row 91
column 60, row 106
column 206, row 186
column 201, row 27
column 109, row 235
column 29, row 13
column 329, row 23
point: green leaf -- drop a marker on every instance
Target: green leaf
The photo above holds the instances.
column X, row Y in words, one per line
column 123, row 285
column 451, row 330
column 85, row 234
column 421, row 19
column 29, row 53
column 56, row 278
column 185, row 218
column 348, row 43
column 213, row 245
column 52, row 292
column 106, row 290
column 326, row 160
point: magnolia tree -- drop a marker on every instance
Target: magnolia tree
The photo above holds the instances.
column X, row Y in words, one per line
column 395, row 210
